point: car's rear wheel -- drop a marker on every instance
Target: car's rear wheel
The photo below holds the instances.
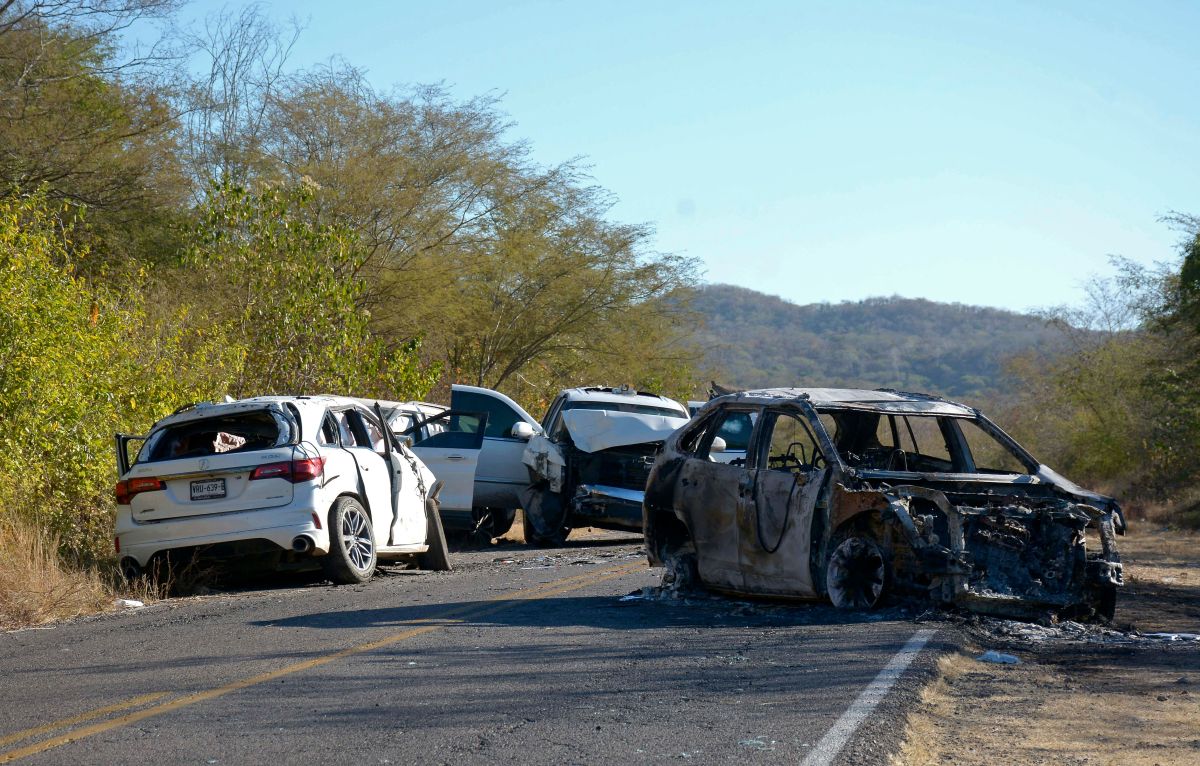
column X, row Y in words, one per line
column 352, row 556
column 437, row 558
column 857, row 574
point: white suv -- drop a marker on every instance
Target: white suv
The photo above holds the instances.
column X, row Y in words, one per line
column 588, row 466
column 310, row 475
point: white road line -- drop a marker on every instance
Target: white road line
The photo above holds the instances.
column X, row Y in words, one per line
column 836, row 738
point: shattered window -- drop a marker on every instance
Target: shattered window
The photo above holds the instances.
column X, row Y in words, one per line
column 792, row 447
column 328, row 435
column 922, row 437
column 374, row 434
column 990, row 455
column 346, row 430
column 235, row 432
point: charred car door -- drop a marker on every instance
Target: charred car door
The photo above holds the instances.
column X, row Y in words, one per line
column 713, row 496
column 775, row 529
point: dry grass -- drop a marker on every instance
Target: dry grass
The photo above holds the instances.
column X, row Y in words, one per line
column 1070, row 704
column 1093, row 710
column 35, row 588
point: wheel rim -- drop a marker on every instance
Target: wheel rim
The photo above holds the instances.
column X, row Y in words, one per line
column 856, row 574
column 356, row 539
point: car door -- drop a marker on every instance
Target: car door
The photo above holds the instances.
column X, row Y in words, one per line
column 775, row 529
column 713, row 496
column 449, row 444
column 364, row 443
column 501, row 475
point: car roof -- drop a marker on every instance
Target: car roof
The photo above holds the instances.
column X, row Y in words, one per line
column 201, row 410
column 619, row 395
column 871, row 400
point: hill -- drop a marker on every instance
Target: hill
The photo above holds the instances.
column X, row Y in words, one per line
column 950, row 349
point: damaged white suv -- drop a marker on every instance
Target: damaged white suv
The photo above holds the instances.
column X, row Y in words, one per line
column 298, row 476
column 588, row 466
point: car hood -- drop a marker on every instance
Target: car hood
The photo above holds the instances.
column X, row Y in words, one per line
column 595, row 430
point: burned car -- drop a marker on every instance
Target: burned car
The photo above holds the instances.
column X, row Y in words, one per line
column 855, row 495
column 588, row 465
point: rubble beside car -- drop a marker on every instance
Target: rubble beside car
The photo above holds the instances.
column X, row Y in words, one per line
column 293, row 477
column 856, row 495
column 589, row 463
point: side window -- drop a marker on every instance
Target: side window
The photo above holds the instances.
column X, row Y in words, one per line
column 733, row 426
column 451, row 430
column 551, row 414
column 346, row 430
column 792, row 446
column 924, row 443
column 328, row 436
column 990, row 455
column 500, row 417
column 885, row 433
column 736, row 429
column 374, row 433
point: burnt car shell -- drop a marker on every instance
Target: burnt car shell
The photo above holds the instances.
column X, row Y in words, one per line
column 852, row 495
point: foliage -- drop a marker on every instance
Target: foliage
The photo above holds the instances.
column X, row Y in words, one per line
column 78, row 361
column 287, row 299
column 1122, row 408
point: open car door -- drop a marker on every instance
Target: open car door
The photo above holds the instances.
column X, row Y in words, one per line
column 449, row 445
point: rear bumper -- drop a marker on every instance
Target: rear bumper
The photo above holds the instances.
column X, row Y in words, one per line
column 277, row 525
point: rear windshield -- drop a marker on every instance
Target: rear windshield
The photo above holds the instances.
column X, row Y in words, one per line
column 240, row 432
column 637, row 409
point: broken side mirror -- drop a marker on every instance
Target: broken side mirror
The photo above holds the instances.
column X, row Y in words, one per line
column 718, row 445
column 522, row 430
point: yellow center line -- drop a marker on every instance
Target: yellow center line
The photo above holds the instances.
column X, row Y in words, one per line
column 506, row 601
column 89, row 715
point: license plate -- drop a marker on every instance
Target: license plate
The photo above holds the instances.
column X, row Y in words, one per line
column 208, row 489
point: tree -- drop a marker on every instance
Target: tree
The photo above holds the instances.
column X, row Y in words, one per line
column 86, row 120
column 282, row 287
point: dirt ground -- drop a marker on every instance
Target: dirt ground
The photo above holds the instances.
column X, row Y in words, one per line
column 1091, row 697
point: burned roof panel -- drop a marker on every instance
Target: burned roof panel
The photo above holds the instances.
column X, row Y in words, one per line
column 878, row 400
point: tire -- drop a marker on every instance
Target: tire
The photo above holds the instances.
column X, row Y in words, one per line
column 543, row 518
column 437, row 558
column 491, row 523
column 857, row 574
column 502, row 521
column 352, row 555
column 1105, row 608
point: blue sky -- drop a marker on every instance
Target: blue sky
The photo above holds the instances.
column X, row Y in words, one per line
column 991, row 154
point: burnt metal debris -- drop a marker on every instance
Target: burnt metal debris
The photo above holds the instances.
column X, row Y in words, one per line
column 863, row 496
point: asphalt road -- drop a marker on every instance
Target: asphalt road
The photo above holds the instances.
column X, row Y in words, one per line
column 518, row 656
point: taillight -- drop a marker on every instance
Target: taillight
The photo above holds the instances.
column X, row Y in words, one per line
column 272, row 471
column 125, row 490
column 307, row 469
column 295, row 471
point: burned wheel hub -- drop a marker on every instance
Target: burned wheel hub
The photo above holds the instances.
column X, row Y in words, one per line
column 856, row 574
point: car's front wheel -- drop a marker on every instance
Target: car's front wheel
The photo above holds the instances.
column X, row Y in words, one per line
column 352, row 555
column 857, row 574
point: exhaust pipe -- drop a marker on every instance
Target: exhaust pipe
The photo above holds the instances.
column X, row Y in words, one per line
column 302, row 544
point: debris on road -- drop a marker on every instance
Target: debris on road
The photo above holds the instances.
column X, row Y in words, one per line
column 998, row 658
